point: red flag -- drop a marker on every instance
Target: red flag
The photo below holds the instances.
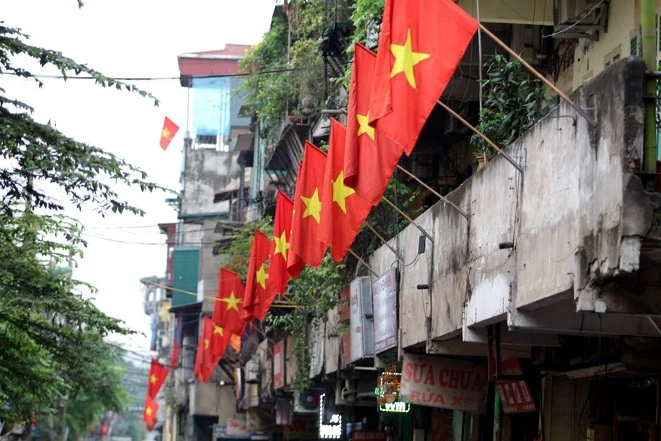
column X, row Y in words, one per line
column 169, row 130
column 205, row 361
column 278, row 275
column 157, row 375
column 235, row 342
column 177, row 339
column 256, row 281
column 306, row 248
column 227, row 311
column 420, row 46
column 343, row 211
column 369, row 160
column 149, row 413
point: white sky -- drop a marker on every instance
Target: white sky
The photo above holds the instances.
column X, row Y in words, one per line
column 127, row 38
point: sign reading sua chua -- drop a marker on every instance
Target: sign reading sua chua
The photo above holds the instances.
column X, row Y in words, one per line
column 444, row 382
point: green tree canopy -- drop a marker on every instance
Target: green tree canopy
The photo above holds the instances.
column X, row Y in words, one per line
column 52, row 346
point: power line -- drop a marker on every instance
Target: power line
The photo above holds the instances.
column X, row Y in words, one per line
column 89, row 77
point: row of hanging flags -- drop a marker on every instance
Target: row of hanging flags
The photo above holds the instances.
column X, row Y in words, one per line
column 391, row 96
column 157, row 375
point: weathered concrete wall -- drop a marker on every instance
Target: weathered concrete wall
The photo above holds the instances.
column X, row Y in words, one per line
column 209, row 266
column 414, row 304
column 574, row 225
column 207, row 172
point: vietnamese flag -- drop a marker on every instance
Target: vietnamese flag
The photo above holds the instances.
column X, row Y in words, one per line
column 343, row 211
column 420, row 46
column 157, row 375
column 306, row 248
column 278, row 275
column 369, row 161
column 205, row 362
column 256, row 281
column 228, row 312
column 149, row 413
column 167, row 133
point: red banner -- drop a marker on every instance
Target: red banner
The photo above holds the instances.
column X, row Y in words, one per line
column 278, row 365
column 515, row 396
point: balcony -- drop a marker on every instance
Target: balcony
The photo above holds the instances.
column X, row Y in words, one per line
column 573, row 246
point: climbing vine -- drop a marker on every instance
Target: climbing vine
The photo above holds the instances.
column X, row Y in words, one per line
column 513, row 102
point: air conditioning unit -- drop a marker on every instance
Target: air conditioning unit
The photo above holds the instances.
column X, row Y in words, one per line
column 252, row 371
column 566, row 10
column 306, row 401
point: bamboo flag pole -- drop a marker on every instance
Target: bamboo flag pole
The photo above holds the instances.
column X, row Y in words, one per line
column 384, row 241
column 434, row 192
column 541, row 77
column 353, row 253
column 481, row 135
column 408, row 218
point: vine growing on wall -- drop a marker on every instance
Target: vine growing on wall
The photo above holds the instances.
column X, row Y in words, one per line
column 269, row 94
column 313, row 293
column 513, row 102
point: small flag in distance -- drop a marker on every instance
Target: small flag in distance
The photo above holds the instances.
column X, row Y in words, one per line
column 169, row 130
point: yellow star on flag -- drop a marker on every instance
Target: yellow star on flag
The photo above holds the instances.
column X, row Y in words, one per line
column 148, row 410
column 165, row 133
column 364, row 126
column 312, row 206
column 341, row 192
column 153, row 379
column 206, row 343
column 261, row 275
column 218, row 330
column 281, row 245
column 405, row 59
column 232, row 302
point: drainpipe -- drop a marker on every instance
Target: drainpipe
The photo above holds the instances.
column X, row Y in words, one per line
column 648, row 33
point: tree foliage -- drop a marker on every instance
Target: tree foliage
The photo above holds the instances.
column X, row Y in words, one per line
column 513, row 102
column 52, row 347
column 269, row 93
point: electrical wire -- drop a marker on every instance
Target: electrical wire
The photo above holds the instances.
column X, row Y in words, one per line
column 178, row 78
column 585, row 14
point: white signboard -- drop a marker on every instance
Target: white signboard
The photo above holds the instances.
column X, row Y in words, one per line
column 384, row 293
column 444, row 382
column 360, row 301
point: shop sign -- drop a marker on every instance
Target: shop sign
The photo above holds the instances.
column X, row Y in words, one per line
column 369, row 435
column 362, row 332
column 278, row 365
column 301, row 427
column 220, row 432
column 332, row 430
column 515, row 396
column 384, row 293
column 444, row 382
column 441, row 425
column 395, row 407
column 237, row 428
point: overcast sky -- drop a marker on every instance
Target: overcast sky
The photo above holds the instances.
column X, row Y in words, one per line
column 127, row 38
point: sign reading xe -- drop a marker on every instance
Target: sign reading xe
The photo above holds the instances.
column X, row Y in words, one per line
column 444, row 382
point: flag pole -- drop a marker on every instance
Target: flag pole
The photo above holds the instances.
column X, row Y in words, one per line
column 481, row 135
column 541, row 77
column 434, row 192
column 384, row 241
column 408, row 218
column 363, row 262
